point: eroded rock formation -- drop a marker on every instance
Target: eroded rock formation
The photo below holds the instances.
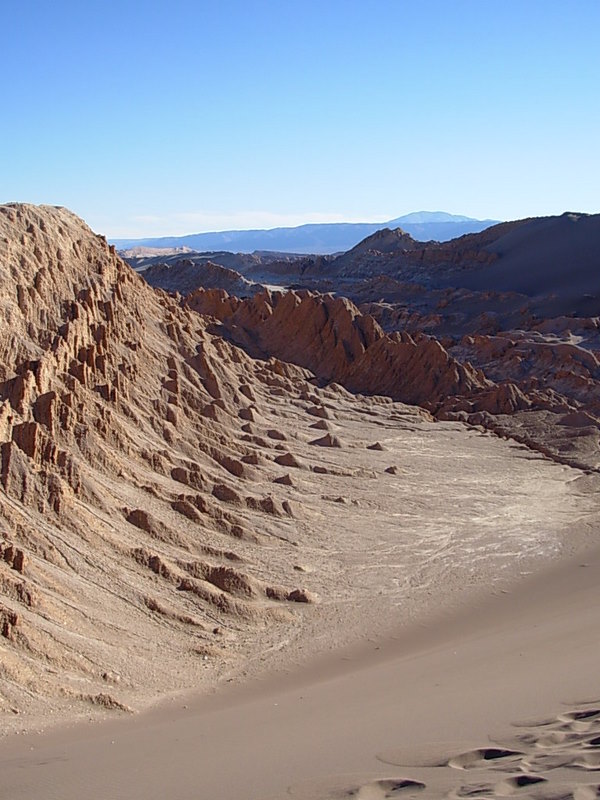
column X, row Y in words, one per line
column 329, row 336
column 128, row 508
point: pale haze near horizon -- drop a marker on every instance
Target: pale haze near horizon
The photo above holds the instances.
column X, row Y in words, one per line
column 158, row 119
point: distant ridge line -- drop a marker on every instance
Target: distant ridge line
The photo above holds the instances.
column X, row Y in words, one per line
column 317, row 238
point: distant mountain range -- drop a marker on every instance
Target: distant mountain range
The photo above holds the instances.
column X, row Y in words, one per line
column 320, row 238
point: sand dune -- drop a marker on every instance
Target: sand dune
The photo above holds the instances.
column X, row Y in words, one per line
column 498, row 699
column 552, row 255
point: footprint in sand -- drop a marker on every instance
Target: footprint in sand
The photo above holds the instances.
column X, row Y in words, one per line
column 534, row 723
column 485, row 758
column 522, row 785
column 431, row 754
column 594, row 742
column 582, row 721
column 589, row 760
column 543, row 762
column 473, row 791
column 348, row 789
column 549, row 759
column 388, row 788
column 558, row 738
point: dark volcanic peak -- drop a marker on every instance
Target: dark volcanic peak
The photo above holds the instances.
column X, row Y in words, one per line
column 387, row 240
column 396, row 253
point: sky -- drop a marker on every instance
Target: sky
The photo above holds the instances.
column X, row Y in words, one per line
column 165, row 118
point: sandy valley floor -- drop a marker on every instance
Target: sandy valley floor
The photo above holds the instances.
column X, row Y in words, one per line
column 431, row 638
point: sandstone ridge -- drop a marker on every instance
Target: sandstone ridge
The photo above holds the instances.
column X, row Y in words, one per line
column 330, row 336
column 131, row 509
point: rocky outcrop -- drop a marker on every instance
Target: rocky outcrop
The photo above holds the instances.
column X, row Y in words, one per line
column 120, row 434
column 186, row 275
column 481, row 374
column 329, row 336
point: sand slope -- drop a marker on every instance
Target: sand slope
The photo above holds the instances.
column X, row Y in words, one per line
column 441, row 705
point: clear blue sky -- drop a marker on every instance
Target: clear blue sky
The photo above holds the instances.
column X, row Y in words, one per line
column 150, row 118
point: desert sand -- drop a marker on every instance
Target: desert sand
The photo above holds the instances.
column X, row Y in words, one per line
column 498, row 699
column 224, row 577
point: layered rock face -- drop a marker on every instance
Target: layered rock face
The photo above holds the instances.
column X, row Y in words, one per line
column 519, row 384
column 334, row 340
